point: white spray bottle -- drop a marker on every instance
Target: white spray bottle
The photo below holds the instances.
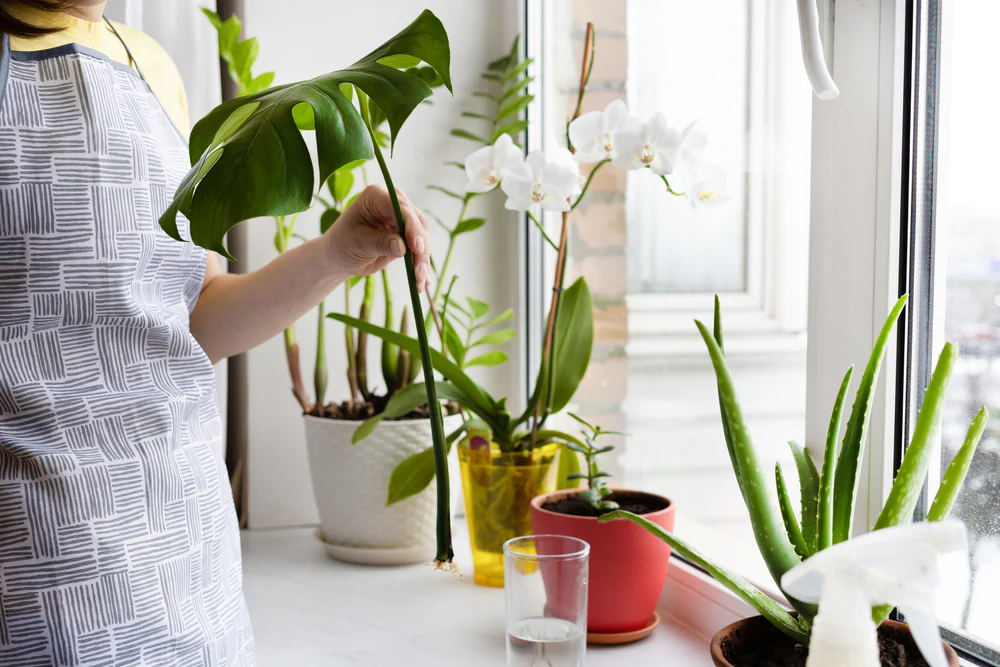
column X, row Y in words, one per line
column 895, row 566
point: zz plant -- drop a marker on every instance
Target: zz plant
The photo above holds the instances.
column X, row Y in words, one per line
column 828, row 492
column 249, row 159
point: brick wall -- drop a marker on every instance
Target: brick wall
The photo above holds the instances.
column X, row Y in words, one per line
column 598, row 230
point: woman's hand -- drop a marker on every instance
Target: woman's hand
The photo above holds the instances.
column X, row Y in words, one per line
column 365, row 238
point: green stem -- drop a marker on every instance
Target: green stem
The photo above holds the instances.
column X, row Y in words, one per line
column 352, row 369
column 587, row 183
column 541, row 228
column 390, row 353
column 670, row 189
column 320, row 375
column 443, row 273
column 445, row 553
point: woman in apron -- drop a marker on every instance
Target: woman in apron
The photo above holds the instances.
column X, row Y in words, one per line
column 118, row 538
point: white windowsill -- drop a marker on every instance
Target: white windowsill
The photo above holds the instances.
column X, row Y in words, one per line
column 308, row 609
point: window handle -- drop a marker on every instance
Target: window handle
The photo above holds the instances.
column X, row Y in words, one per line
column 812, row 51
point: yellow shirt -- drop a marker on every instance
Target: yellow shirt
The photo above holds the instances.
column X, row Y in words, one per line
column 160, row 72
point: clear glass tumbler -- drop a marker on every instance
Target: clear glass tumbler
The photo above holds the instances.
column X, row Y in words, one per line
column 545, row 583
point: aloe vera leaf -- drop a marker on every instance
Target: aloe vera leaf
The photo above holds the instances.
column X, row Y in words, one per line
column 788, row 515
column 809, row 493
column 753, row 596
column 717, row 334
column 824, row 527
column 845, row 481
column 909, row 480
column 954, row 476
column 776, row 550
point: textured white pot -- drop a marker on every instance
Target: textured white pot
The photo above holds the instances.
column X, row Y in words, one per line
column 350, row 483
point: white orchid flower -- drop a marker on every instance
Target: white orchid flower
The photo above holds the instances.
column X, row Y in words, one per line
column 594, row 134
column 539, row 182
column 693, row 143
column 651, row 144
column 485, row 167
column 708, row 186
column 564, row 158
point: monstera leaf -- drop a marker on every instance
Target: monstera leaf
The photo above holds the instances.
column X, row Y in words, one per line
column 249, row 157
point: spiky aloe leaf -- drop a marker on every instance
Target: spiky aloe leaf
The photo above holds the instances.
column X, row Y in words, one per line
column 954, row 476
column 809, row 494
column 788, row 515
column 776, row 550
column 717, row 334
column 824, row 526
column 797, row 629
column 849, row 463
column 909, row 480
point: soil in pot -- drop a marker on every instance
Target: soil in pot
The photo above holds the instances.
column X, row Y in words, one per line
column 761, row 646
column 352, row 410
column 630, row 501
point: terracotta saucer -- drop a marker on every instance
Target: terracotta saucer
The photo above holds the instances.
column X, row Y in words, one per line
column 624, row 637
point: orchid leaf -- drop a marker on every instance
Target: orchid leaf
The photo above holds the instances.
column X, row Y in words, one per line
column 794, row 628
column 849, row 462
column 572, row 343
column 265, row 169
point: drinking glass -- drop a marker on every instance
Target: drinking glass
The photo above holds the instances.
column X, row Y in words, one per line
column 545, row 584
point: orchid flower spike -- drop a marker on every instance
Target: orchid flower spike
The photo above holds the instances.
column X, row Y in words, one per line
column 485, row 167
column 651, row 144
column 707, row 187
column 539, row 182
column 594, row 134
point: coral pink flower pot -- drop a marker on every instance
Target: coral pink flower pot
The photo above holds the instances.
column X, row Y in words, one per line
column 627, row 565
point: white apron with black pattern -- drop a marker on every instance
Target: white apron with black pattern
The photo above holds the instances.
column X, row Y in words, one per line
column 119, row 543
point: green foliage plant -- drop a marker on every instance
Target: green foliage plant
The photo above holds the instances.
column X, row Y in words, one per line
column 249, row 160
column 597, row 490
column 829, row 493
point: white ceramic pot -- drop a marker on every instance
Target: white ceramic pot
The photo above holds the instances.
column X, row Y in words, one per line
column 350, row 483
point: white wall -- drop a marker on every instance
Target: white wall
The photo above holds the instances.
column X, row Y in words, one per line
column 320, row 36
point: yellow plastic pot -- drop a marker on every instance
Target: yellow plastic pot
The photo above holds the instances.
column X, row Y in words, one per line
column 498, row 488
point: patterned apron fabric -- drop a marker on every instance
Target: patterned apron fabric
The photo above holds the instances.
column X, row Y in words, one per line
column 118, row 538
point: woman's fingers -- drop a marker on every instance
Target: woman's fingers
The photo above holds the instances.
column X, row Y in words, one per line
column 379, row 214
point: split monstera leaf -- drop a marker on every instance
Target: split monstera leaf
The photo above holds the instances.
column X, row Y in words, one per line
column 249, row 159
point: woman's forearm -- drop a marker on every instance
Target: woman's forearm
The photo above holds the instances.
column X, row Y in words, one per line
column 236, row 312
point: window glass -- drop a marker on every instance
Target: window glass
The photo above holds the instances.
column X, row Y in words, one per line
column 966, row 301
column 653, row 262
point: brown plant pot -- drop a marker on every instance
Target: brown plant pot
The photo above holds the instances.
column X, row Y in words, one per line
column 732, row 638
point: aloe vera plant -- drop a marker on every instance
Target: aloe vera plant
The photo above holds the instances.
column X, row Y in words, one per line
column 828, row 493
column 249, row 159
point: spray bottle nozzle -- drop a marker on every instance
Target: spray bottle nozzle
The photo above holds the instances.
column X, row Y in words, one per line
column 897, row 566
